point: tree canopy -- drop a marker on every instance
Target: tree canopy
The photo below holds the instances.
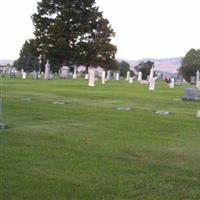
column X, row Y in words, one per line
column 190, row 64
column 73, row 32
column 123, row 67
column 145, row 68
column 28, row 59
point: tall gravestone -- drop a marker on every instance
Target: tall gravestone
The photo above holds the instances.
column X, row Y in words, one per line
column 171, row 84
column 75, row 72
column 47, row 73
column 197, row 80
column 91, row 78
column 103, row 77
column 108, row 75
column 139, row 76
column 152, row 84
column 151, row 74
column 152, row 80
column 117, row 76
column 128, row 75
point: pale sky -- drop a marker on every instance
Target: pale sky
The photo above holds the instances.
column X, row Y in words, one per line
column 144, row 28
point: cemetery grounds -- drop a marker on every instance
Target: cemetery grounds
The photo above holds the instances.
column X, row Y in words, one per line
column 65, row 140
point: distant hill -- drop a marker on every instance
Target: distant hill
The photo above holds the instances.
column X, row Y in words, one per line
column 6, row 61
column 170, row 65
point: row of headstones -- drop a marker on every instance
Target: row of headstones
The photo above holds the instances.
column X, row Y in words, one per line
column 151, row 80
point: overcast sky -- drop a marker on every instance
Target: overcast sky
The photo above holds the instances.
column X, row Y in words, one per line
column 144, row 28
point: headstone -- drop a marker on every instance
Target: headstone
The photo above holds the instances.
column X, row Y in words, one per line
column 23, row 75
column 131, row 80
column 145, row 82
column 13, row 72
column 178, row 82
column 117, row 76
column 197, row 80
column 152, row 83
column 191, row 94
column 2, row 125
column 47, row 71
column 103, row 77
column 198, row 113
column 192, row 80
column 35, row 75
column 139, row 76
column 91, row 78
column 58, row 102
column 64, row 72
column 75, row 73
column 108, row 75
column 86, row 76
column 151, row 74
column 128, row 75
column 123, row 108
column 171, row 84
column 114, row 75
column 161, row 112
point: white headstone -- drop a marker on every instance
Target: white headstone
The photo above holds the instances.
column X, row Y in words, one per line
column 139, row 76
column 86, row 76
column 171, row 84
column 131, row 80
column 103, row 77
column 197, row 80
column 128, row 75
column 108, row 75
column 47, row 71
column 152, row 83
column 23, row 75
column 198, row 113
column 151, row 74
column 117, row 76
column 91, row 78
column 75, row 73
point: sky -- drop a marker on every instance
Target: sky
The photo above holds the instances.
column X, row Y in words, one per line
column 144, row 28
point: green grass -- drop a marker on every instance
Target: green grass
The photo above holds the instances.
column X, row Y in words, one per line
column 87, row 149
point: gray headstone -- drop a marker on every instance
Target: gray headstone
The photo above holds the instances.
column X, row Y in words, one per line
column 192, row 80
column 191, row 94
column 178, row 82
column 64, row 72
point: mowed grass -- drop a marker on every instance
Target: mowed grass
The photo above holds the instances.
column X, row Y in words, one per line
column 87, row 149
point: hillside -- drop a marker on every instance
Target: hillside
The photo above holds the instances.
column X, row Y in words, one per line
column 166, row 64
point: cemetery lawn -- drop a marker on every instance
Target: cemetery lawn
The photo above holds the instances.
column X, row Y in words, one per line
column 88, row 149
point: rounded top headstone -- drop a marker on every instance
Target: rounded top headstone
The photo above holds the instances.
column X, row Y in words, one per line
column 64, row 67
column 47, row 64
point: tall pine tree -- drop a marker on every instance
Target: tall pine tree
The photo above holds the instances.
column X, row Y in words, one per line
column 28, row 59
column 73, row 31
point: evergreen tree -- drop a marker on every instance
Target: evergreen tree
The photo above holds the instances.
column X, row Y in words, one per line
column 73, row 32
column 28, row 59
column 190, row 64
column 123, row 67
column 145, row 68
